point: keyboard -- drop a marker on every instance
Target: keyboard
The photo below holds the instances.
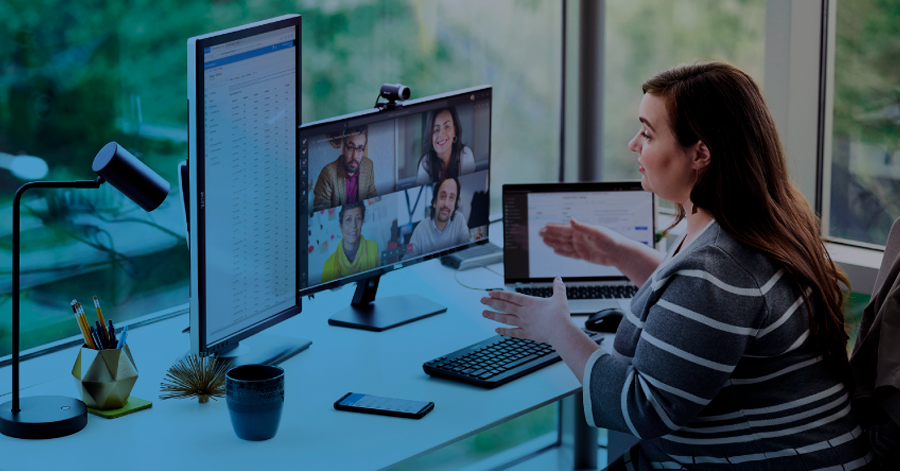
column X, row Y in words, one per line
column 585, row 292
column 496, row 360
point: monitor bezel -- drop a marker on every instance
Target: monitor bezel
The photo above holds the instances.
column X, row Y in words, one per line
column 200, row 344
column 374, row 115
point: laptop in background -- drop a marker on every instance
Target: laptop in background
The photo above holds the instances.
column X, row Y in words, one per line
column 530, row 265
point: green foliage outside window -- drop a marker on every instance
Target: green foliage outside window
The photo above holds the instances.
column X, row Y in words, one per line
column 92, row 72
column 75, row 75
column 646, row 37
column 865, row 167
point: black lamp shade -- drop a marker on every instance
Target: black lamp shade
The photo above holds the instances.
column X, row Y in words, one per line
column 132, row 177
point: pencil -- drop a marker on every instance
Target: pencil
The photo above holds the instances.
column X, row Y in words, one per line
column 122, row 337
column 112, row 335
column 87, row 326
column 80, row 324
column 101, row 331
column 96, row 337
column 103, row 342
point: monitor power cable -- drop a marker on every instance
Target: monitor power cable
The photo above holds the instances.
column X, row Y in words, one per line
column 456, row 277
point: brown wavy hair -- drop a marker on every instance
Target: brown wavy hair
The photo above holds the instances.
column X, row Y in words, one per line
column 747, row 189
column 433, row 164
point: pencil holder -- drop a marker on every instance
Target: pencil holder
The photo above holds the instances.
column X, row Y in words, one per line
column 105, row 377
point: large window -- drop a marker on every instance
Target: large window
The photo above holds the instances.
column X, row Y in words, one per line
column 87, row 74
column 92, row 72
column 865, row 141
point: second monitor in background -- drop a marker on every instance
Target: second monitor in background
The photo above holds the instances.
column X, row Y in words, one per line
column 386, row 189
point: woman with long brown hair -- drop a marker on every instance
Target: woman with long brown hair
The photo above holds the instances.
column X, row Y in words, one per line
column 733, row 353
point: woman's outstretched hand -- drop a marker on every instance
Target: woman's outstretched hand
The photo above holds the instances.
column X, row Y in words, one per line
column 544, row 320
column 576, row 239
column 541, row 319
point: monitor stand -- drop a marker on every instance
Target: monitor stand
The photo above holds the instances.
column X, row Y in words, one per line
column 367, row 314
column 263, row 349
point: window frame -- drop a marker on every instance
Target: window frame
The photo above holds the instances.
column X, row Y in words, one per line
column 800, row 39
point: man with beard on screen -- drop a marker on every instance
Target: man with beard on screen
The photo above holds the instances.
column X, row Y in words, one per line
column 447, row 226
column 350, row 177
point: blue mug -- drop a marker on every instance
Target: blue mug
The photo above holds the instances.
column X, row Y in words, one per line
column 255, row 398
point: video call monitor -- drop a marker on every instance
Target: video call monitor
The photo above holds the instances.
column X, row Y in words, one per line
column 382, row 189
column 245, row 186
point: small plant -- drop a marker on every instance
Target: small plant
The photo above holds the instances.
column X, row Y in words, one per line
column 203, row 377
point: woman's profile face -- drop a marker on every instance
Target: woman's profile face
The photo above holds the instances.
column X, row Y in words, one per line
column 665, row 166
column 443, row 133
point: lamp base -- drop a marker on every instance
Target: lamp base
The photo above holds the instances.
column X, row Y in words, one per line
column 43, row 417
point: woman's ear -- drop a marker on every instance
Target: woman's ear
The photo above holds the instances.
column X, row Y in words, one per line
column 700, row 157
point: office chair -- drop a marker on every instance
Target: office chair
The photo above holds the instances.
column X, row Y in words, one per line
column 876, row 360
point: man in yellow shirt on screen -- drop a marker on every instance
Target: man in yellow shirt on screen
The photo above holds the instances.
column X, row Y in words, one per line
column 354, row 254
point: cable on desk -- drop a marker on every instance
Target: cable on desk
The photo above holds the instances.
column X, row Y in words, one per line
column 492, row 270
column 456, row 277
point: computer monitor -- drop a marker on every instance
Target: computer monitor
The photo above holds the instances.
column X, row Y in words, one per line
column 244, row 187
column 386, row 188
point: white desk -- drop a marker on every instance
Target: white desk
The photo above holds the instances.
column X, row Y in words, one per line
column 183, row 434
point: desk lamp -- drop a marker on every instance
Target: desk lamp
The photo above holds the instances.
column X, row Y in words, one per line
column 58, row 416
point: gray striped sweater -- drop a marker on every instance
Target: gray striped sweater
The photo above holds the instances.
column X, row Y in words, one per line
column 713, row 368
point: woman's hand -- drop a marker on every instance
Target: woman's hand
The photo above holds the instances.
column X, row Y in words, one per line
column 544, row 320
column 595, row 244
column 541, row 319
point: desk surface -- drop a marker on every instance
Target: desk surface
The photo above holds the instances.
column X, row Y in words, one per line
column 183, row 434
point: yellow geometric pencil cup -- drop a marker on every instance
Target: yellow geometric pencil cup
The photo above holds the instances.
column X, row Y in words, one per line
column 105, row 377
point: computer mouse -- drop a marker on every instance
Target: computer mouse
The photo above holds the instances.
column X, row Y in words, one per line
column 606, row 320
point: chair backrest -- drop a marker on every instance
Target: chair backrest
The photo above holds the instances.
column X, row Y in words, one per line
column 876, row 361
column 891, row 250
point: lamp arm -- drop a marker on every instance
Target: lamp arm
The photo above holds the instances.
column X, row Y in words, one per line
column 15, row 268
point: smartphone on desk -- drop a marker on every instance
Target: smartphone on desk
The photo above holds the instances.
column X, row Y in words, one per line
column 369, row 404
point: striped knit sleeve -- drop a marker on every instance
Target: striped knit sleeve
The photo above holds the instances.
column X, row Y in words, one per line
column 701, row 315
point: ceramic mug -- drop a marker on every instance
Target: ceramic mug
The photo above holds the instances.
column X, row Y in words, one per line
column 255, row 398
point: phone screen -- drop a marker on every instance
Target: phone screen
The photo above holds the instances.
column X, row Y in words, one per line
column 383, row 403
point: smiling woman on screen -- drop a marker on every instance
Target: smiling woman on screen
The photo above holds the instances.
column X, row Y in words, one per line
column 445, row 154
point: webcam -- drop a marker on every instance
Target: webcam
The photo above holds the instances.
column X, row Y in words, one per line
column 392, row 93
column 395, row 91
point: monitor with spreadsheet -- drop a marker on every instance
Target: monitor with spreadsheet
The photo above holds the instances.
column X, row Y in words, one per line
column 244, row 116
